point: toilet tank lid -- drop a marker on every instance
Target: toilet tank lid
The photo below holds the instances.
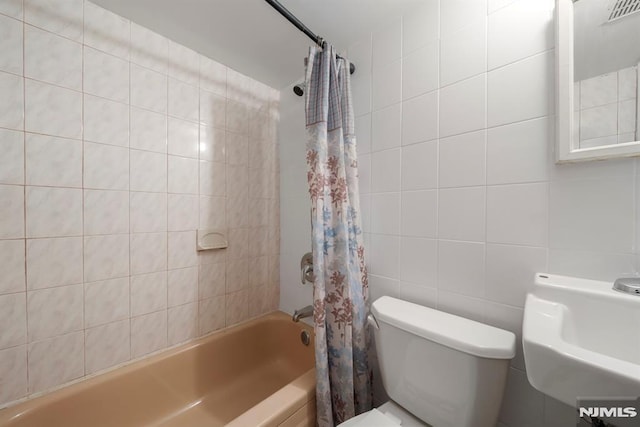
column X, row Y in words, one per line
column 446, row 329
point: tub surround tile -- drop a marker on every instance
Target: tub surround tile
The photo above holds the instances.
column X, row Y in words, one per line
column 54, row 262
column 106, row 301
column 67, row 17
column 182, row 323
column 107, row 345
column 12, row 161
column 117, row 145
column 13, row 372
column 148, row 293
column 211, row 280
column 55, row 311
column 12, row 265
column 53, row 212
column 52, row 59
column 52, row 110
column 52, row 161
column 13, row 319
column 106, row 257
column 11, row 36
column 11, row 101
column 148, row 252
column 182, row 286
column 148, row 333
column 211, row 312
column 55, row 361
column 105, row 121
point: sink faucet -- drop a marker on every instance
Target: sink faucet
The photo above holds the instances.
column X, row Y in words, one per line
column 302, row 313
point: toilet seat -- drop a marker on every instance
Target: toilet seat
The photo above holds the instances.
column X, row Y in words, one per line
column 389, row 414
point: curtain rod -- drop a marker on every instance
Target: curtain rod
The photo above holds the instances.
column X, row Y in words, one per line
column 299, row 25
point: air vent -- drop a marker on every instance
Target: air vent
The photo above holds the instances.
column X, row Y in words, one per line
column 622, row 8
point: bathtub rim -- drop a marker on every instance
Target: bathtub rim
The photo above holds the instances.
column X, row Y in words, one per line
column 15, row 408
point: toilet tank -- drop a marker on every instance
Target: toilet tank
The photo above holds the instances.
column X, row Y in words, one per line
column 447, row 370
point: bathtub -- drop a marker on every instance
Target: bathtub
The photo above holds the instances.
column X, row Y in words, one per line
column 255, row 374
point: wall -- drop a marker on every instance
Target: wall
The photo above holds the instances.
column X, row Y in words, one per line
column 461, row 199
column 605, row 108
column 117, row 144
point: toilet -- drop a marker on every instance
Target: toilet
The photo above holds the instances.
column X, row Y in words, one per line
column 438, row 369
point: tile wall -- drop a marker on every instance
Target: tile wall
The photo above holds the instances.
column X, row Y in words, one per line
column 605, row 108
column 117, row 145
column 461, row 199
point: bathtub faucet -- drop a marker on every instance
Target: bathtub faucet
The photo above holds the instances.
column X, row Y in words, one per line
column 302, row 313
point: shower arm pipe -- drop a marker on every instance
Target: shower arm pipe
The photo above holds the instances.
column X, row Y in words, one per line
column 300, row 25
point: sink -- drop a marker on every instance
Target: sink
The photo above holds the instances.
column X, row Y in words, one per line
column 581, row 339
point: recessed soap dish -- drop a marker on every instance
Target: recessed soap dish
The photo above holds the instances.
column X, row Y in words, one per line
column 211, row 239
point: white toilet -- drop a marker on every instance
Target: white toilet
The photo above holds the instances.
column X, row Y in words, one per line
column 438, row 369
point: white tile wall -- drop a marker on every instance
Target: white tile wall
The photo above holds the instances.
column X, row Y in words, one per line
column 108, row 132
column 482, row 205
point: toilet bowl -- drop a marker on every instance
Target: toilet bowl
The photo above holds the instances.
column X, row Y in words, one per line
column 438, row 369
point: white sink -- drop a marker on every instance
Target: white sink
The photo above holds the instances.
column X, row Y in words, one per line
column 581, row 339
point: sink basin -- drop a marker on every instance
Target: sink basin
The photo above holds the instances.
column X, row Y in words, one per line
column 581, row 339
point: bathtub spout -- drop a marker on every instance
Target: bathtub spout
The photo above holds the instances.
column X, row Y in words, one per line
column 302, row 313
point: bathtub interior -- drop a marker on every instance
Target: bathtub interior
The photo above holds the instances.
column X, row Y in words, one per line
column 210, row 382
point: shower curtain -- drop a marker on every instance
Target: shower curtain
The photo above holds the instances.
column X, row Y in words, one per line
column 340, row 294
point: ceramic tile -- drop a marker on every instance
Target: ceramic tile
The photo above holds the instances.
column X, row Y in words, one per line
column 213, row 109
column 148, row 252
column 211, row 280
column 11, row 34
column 148, row 130
column 106, row 257
column 183, row 175
column 13, row 320
column 55, row 361
column 420, row 119
column 148, row 89
column 106, row 212
column 105, row 75
column 469, row 281
column 183, row 138
column 211, row 314
column 12, row 8
column 182, row 286
column 106, row 301
column 12, row 161
column 13, row 371
column 462, row 160
column 237, row 308
column 148, row 333
column 386, row 131
column 387, row 85
column 53, row 212
column 52, row 59
column 11, row 211
column 182, row 249
column 55, row 311
column 52, row 110
column 11, row 101
column 106, row 167
column 463, row 106
column 419, row 261
column 419, row 213
column 419, row 166
column 463, row 54
column 212, row 178
column 107, row 345
column 184, row 100
column 12, row 264
column 182, row 212
column 64, row 19
column 106, row 121
column 420, row 71
column 148, row 293
column 52, row 161
column 420, row 27
column 461, row 214
column 182, row 323
column 184, row 64
column 54, row 262
column 148, row 212
column 149, row 49
column 213, row 76
column 148, row 171
column 106, row 31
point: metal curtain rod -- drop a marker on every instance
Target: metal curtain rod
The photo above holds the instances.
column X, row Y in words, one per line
column 299, row 25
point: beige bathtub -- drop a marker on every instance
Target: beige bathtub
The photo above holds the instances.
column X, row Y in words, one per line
column 255, row 374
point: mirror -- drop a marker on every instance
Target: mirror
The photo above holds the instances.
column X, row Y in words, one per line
column 598, row 56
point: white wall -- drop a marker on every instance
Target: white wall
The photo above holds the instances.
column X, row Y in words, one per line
column 461, row 200
column 116, row 145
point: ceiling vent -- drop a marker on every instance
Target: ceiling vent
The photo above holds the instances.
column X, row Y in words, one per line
column 622, row 8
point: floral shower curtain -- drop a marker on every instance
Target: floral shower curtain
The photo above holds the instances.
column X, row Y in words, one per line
column 340, row 295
